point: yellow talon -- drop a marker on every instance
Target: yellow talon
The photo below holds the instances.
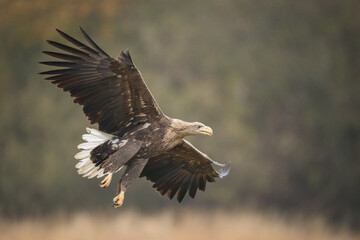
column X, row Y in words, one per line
column 106, row 181
column 118, row 200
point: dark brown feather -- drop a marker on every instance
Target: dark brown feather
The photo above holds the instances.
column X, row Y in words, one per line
column 69, row 49
column 179, row 170
column 58, row 63
column 193, row 186
column 62, row 56
column 92, row 43
column 77, row 43
column 112, row 92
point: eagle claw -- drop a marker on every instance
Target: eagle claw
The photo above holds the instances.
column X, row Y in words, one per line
column 118, row 200
column 106, row 181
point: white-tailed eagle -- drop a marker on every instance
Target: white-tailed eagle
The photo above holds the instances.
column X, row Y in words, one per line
column 133, row 131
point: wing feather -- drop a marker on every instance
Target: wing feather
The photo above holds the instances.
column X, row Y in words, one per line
column 76, row 42
column 69, row 49
column 59, row 63
column 193, row 186
column 112, row 92
column 62, row 56
column 92, row 43
column 180, row 170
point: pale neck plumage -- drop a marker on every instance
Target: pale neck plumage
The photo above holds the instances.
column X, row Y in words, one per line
column 182, row 128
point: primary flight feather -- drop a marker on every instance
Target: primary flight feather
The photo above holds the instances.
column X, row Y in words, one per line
column 133, row 131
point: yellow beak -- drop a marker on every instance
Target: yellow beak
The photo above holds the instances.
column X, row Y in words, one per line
column 206, row 130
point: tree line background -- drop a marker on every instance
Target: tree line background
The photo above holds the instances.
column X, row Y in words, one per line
column 278, row 81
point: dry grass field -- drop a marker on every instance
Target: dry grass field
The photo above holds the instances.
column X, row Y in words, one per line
column 167, row 225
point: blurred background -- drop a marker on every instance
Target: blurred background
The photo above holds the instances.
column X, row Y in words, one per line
column 278, row 81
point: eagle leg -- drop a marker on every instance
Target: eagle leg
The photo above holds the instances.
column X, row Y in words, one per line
column 132, row 172
column 106, row 181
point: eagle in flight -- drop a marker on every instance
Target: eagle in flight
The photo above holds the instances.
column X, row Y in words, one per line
column 133, row 131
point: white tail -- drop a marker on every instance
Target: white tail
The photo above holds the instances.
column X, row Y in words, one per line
column 93, row 139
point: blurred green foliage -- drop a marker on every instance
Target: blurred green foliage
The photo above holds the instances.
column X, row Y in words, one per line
column 278, row 81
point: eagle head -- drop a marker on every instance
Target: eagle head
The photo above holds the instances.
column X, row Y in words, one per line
column 200, row 128
column 190, row 128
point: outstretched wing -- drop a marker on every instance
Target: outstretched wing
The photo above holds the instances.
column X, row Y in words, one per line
column 112, row 92
column 181, row 169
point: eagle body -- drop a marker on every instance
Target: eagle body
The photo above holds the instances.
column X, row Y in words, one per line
column 133, row 131
column 143, row 142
